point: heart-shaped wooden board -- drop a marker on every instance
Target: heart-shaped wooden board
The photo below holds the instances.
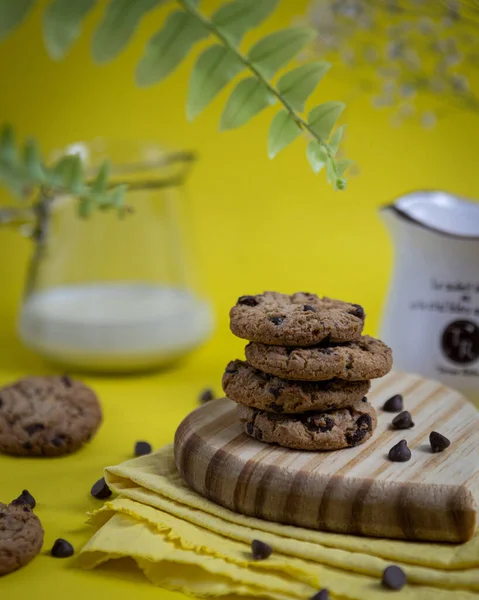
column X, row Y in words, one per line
column 356, row 490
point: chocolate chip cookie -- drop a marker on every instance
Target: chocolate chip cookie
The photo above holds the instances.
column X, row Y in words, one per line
column 316, row 430
column 366, row 358
column 21, row 536
column 249, row 386
column 301, row 319
column 47, row 416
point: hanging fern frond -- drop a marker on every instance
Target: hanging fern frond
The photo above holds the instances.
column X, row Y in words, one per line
column 216, row 66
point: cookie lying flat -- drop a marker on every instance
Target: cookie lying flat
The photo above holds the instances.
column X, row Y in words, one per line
column 21, row 536
column 331, row 430
column 47, row 416
column 367, row 358
column 246, row 385
column 298, row 320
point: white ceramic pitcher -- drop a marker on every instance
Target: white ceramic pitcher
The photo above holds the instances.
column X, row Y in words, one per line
column 431, row 317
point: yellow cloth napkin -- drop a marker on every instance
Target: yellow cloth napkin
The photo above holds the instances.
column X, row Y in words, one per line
column 182, row 541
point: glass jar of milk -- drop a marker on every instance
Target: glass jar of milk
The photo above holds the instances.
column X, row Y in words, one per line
column 110, row 294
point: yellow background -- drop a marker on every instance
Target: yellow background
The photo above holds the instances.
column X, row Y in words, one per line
column 257, row 224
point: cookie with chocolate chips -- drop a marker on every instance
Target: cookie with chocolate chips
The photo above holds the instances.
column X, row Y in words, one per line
column 21, row 536
column 366, row 358
column 332, row 430
column 246, row 385
column 300, row 319
column 47, row 416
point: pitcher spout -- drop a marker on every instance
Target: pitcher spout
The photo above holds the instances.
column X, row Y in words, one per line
column 436, row 211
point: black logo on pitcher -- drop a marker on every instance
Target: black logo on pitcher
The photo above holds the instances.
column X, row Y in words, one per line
column 460, row 342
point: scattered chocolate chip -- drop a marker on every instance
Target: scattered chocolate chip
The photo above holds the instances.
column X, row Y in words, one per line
column 100, row 490
column 308, row 307
column 321, row 595
column 400, row 452
column 142, row 448
column 250, row 428
column 276, row 320
column 58, row 441
column 25, row 498
column 364, row 422
column 394, row 404
column 364, row 399
column 247, row 300
column 358, row 311
column 34, row 427
column 320, row 423
column 27, row 445
column 275, row 391
column 260, row 550
column 62, row 549
column 67, row 380
column 275, row 407
column 206, row 396
column 403, row 420
column 394, row 578
column 438, row 441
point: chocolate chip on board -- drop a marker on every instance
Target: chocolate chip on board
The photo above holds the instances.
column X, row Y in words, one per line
column 400, row 452
column 62, row 549
column 438, row 441
column 25, row 498
column 394, row 578
column 206, row 396
column 403, row 421
column 260, row 550
column 142, row 448
column 394, row 404
column 100, row 489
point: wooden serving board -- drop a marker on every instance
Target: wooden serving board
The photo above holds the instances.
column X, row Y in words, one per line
column 355, row 490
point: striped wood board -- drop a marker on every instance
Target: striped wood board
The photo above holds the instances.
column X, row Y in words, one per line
column 356, row 490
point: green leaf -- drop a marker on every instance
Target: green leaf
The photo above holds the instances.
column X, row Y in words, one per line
column 297, row 85
column 214, row 69
column 343, row 165
column 117, row 26
column 237, row 18
column 8, row 151
column 283, row 131
column 99, row 184
column 12, row 13
column 116, row 197
column 62, row 24
column 340, row 184
column 86, row 205
column 62, row 173
column 32, row 162
column 323, row 118
column 330, row 170
column 247, row 99
column 336, row 138
column 317, row 155
column 77, row 184
column 168, row 47
column 275, row 50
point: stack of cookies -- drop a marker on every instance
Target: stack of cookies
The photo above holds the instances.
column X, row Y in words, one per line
column 304, row 384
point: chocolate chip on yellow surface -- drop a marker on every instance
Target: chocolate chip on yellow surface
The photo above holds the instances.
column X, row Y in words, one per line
column 100, row 489
column 394, row 404
column 400, row 452
column 438, row 441
column 394, row 578
column 321, row 595
column 62, row 549
column 403, row 421
column 142, row 448
column 260, row 550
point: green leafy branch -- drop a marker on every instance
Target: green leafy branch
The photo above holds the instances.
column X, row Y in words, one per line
column 24, row 172
column 216, row 66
